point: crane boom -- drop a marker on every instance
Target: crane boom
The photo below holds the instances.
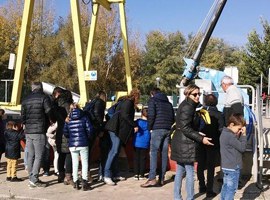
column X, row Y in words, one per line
column 191, row 68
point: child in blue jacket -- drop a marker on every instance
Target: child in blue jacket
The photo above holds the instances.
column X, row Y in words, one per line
column 141, row 144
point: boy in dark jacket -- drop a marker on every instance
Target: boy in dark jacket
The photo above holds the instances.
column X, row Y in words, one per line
column 13, row 150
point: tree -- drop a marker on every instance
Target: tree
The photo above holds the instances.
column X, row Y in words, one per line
column 256, row 57
column 162, row 58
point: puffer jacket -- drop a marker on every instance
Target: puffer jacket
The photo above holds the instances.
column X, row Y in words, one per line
column 160, row 112
column 186, row 136
column 35, row 111
column 79, row 129
column 13, row 146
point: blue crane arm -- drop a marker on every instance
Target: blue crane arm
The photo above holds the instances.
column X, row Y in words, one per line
column 191, row 68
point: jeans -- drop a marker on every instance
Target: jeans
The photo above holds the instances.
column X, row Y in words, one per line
column 55, row 159
column 181, row 169
column 25, row 157
column 75, row 153
column 111, row 166
column 230, row 183
column 104, row 146
column 159, row 140
column 35, row 145
column 46, row 163
column 64, row 163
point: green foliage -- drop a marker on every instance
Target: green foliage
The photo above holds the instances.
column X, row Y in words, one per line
column 256, row 57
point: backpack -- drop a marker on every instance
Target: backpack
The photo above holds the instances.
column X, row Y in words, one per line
column 89, row 110
column 112, row 110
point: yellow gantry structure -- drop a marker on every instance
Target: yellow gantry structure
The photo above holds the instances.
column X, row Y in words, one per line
column 83, row 60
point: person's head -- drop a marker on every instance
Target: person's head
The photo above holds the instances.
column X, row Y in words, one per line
column 12, row 125
column 236, row 122
column 192, row 91
column 134, row 95
column 210, row 100
column 57, row 91
column 101, row 94
column 226, row 82
column 36, row 86
column 144, row 112
column 2, row 112
column 154, row 91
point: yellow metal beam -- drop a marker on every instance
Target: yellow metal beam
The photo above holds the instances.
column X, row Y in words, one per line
column 104, row 3
column 91, row 36
column 75, row 13
column 125, row 43
column 23, row 45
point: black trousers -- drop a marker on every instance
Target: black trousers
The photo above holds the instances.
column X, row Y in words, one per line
column 139, row 161
column 206, row 157
column 65, row 163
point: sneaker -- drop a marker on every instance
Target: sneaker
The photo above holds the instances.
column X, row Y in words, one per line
column 141, row 177
column 8, row 179
column 100, row 178
column 38, row 184
column 119, row 178
column 46, row 174
column 16, row 179
column 136, row 177
column 108, row 181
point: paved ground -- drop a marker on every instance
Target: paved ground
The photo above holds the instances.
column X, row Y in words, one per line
column 129, row 189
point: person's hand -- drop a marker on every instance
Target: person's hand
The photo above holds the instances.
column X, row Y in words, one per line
column 206, row 141
column 136, row 129
column 244, row 131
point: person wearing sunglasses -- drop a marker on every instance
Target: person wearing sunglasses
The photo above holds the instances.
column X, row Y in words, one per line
column 187, row 135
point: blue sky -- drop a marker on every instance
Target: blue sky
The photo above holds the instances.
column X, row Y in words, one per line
column 239, row 17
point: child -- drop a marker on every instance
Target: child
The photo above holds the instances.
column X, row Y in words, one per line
column 141, row 144
column 78, row 129
column 51, row 134
column 13, row 150
column 232, row 144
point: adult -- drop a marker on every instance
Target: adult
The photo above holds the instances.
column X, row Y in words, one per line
column 121, row 126
column 35, row 111
column 234, row 102
column 207, row 155
column 184, row 141
column 96, row 114
column 62, row 101
column 160, row 119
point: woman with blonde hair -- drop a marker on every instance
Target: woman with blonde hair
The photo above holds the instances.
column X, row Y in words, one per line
column 184, row 141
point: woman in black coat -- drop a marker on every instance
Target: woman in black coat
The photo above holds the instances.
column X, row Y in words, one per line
column 121, row 126
column 184, row 141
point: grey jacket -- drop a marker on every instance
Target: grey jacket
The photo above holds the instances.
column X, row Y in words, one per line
column 231, row 149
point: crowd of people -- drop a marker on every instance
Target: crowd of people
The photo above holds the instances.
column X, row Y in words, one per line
column 56, row 124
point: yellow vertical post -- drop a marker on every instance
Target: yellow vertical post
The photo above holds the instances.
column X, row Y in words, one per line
column 125, row 43
column 22, row 48
column 91, row 35
column 75, row 13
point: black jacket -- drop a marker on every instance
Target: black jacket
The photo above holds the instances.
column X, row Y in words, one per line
column 160, row 112
column 99, row 109
column 214, row 129
column 122, row 123
column 35, row 112
column 186, row 136
column 13, row 147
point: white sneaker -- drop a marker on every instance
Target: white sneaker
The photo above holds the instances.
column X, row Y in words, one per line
column 119, row 178
column 108, row 181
